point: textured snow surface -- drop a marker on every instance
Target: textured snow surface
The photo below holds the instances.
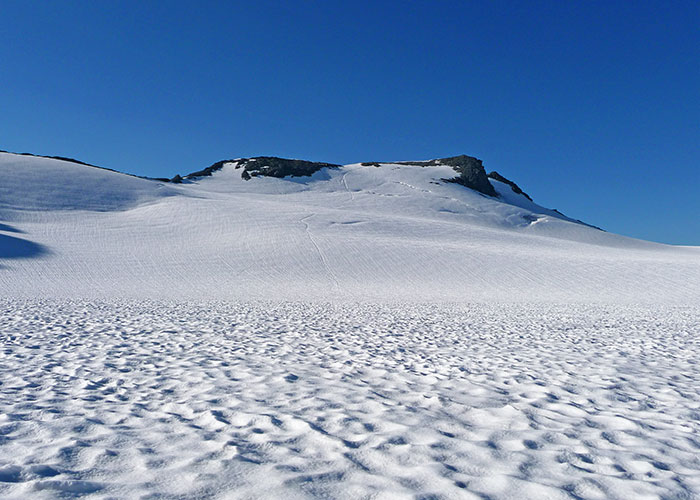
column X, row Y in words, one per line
column 295, row 400
column 367, row 332
column 393, row 232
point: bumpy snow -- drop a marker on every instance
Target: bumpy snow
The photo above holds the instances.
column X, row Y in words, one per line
column 227, row 400
column 370, row 332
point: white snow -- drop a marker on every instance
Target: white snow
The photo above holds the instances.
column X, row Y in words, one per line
column 356, row 233
column 370, row 332
column 299, row 400
column 37, row 183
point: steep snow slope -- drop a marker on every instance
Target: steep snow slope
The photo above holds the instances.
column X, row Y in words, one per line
column 389, row 232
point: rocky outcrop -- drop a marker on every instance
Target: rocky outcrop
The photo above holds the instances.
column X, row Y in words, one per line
column 471, row 173
column 471, row 170
column 271, row 166
column 209, row 170
column 516, row 189
column 265, row 166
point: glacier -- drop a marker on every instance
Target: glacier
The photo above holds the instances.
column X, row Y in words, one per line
column 372, row 330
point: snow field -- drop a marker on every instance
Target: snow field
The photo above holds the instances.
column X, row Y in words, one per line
column 561, row 361
column 148, row 399
column 355, row 233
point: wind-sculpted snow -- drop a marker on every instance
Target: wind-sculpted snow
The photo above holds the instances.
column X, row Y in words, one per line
column 296, row 400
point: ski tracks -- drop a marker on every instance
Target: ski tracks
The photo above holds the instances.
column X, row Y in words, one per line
column 345, row 184
column 320, row 253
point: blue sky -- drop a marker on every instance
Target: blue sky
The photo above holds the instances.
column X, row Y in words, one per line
column 592, row 107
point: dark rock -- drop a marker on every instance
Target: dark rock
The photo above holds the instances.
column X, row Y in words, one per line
column 266, row 166
column 209, row 170
column 471, row 173
column 516, row 189
column 270, row 166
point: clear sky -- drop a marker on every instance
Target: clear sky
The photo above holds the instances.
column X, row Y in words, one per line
column 592, row 107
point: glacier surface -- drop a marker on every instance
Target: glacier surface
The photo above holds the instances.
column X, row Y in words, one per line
column 366, row 332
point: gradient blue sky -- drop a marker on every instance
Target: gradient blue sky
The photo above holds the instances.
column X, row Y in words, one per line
column 592, row 107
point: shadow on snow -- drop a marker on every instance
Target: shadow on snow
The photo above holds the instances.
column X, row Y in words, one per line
column 12, row 247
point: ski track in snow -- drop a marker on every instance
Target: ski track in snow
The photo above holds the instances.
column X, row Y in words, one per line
column 143, row 399
column 345, row 184
column 321, row 256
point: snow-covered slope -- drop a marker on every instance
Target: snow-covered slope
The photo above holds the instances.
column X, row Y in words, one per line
column 357, row 232
column 348, row 334
column 45, row 184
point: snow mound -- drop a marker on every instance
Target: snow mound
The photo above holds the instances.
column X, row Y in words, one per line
column 40, row 183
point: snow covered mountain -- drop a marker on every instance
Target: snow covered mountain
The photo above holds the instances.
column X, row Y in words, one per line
column 269, row 328
column 287, row 229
